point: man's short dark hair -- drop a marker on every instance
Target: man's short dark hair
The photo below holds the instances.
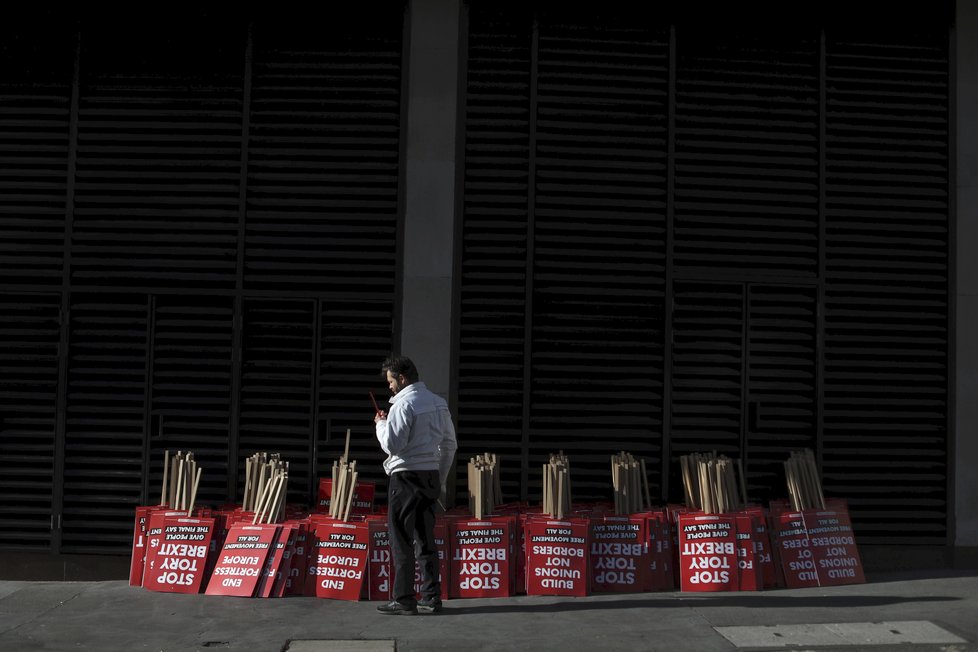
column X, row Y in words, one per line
column 400, row 366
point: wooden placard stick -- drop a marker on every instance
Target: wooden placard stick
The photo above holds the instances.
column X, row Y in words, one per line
column 247, row 483
column 172, row 491
column 497, row 484
column 818, row 481
column 792, row 489
column 346, row 449
column 645, row 484
column 273, row 497
column 193, row 496
column 181, row 471
column 349, row 499
column 191, row 473
column 470, row 483
column 344, row 477
column 278, row 502
column 705, row 494
column 267, row 496
column 260, row 503
column 560, row 494
column 546, row 489
column 636, row 486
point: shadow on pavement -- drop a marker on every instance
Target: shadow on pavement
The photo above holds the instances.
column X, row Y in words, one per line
column 458, row 608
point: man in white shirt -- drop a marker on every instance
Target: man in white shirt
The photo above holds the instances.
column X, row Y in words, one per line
column 419, row 438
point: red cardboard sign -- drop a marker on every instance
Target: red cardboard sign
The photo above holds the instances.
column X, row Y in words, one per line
column 273, row 564
column 379, row 583
column 239, row 565
column 178, row 566
column 481, row 556
column 833, row 547
column 557, row 560
column 285, row 567
column 748, row 570
column 763, row 553
column 154, row 535
column 363, row 497
column 619, row 554
column 661, row 563
column 304, row 541
column 794, row 550
column 138, row 557
column 341, row 559
column 708, row 552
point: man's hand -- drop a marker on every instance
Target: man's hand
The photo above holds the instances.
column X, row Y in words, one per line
column 380, row 416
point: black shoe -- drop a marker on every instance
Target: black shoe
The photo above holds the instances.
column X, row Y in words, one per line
column 395, row 608
column 429, row 605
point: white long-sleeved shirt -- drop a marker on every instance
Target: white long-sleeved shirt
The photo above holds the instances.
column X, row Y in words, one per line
column 418, row 433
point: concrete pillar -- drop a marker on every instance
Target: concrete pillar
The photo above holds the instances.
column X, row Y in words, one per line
column 429, row 220
column 966, row 245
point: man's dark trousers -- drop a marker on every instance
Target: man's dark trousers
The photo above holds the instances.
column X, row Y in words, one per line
column 411, row 499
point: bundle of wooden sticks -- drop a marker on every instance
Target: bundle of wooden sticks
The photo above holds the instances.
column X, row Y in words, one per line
column 804, row 483
column 485, row 491
column 181, row 478
column 710, row 483
column 266, row 486
column 631, row 484
column 344, row 484
column 557, row 486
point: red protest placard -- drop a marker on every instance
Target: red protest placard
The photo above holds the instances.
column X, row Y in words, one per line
column 748, row 569
column 763, row 552
column 273, row 564
column 138, row 557
column 379, row 562
column 241, row 560
column 298, row 575
column 661, row 564
column 619, row 554
column 154, row 535
column 285, row 567
column 833, row 547
column 480, row 560
column 794, row 550
column 557, row 561
column 181, row 556
column 363, row 497
column 341, row 559
column 708, row 553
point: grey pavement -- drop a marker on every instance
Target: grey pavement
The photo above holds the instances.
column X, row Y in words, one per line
column 905, row 611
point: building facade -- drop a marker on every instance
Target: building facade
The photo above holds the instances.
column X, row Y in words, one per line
column 594, row 229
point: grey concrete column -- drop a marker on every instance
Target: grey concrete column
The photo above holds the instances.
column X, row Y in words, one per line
column 429, row 221
column 966, row 323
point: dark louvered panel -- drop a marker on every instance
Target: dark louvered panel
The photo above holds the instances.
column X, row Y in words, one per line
column 104, row 429
column 707, row 371
column 159, row 153
column 323, row 152
column 493, row 241
column 356, row 336
column 746, row 141
column 35, row 92
column 781, row 383
column 191, row 388
column 886, row 312
column 599, row 246
column 29, row 336
column 276, row 386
